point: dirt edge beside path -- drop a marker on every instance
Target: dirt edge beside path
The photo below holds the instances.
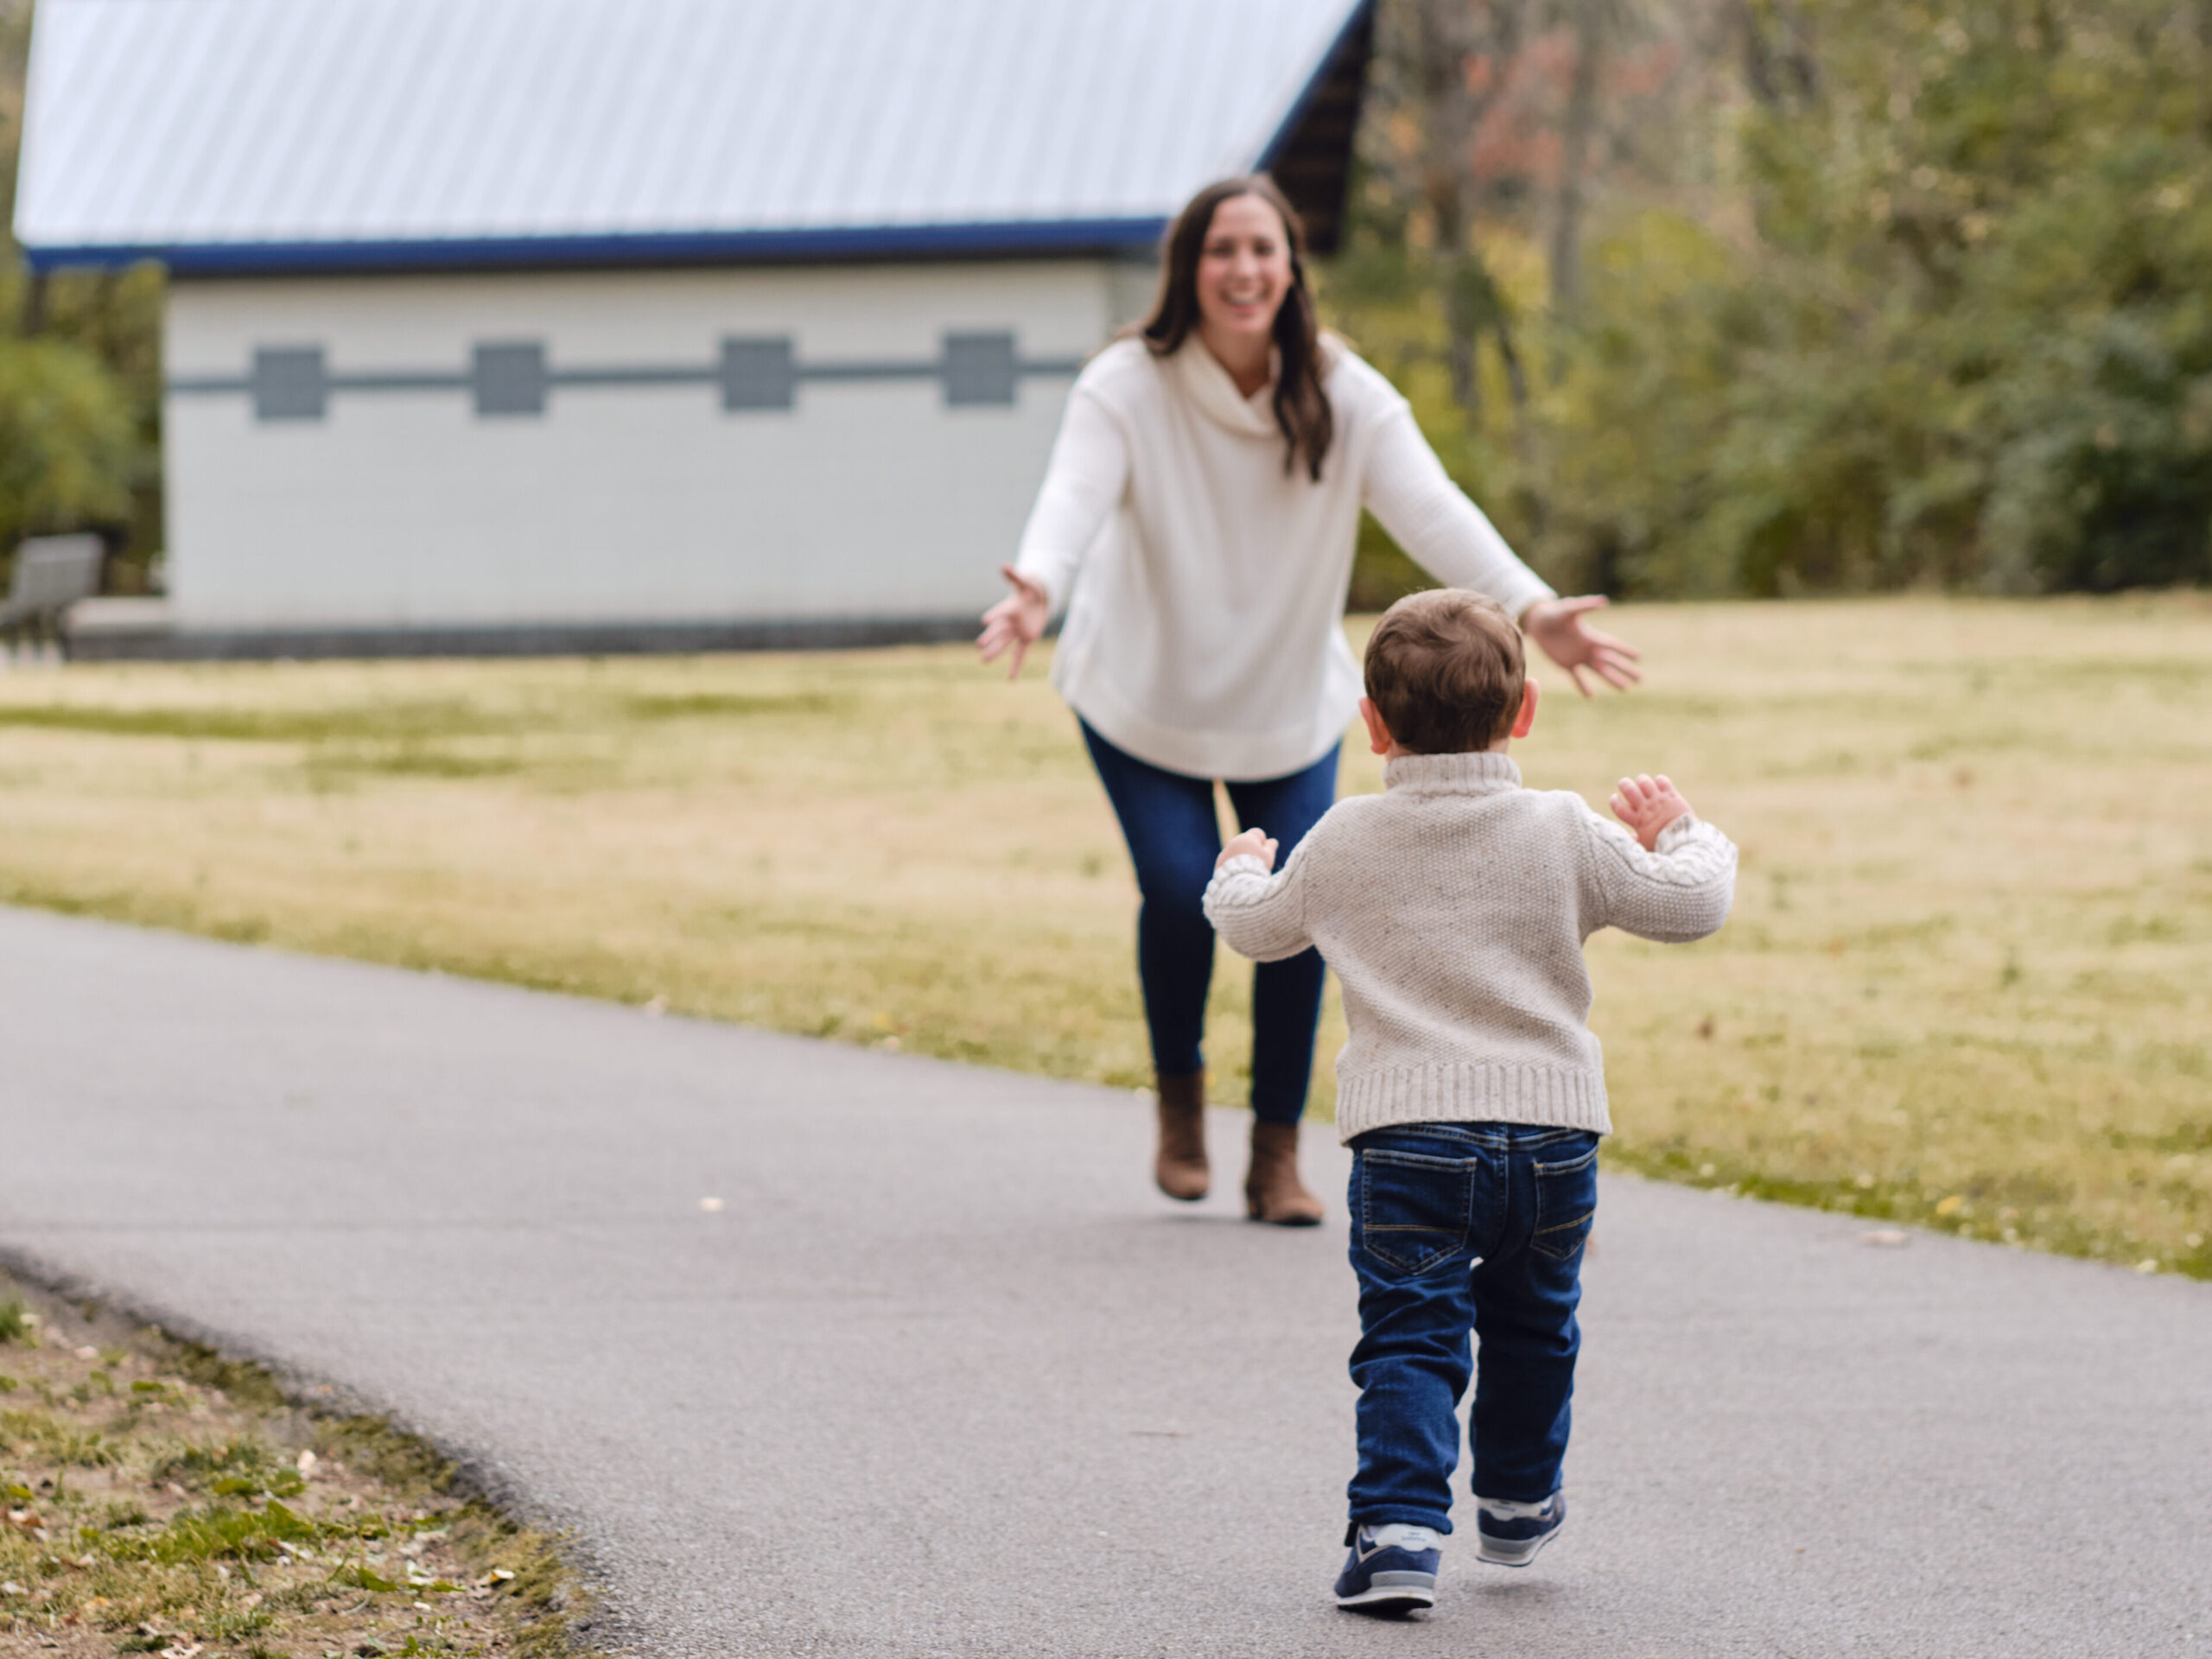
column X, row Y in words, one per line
column 165, row 1495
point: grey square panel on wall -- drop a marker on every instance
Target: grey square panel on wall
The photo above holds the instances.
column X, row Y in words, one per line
column 759, row 373
column 509, row 378
column 980, row 369
column 289, row 384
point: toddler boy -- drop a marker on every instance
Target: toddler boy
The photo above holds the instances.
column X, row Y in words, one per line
column 1453, row 906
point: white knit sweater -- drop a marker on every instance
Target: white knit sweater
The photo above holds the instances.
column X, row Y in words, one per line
column 1205, row 631
column 1453, row 907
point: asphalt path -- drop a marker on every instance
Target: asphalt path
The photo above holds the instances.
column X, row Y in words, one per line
column 942, row 1375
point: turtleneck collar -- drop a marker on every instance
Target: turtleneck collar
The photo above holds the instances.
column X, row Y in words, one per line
column 1210, row 386
column 1482, row 772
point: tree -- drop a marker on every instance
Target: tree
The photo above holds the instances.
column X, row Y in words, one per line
column 1834, row 295
column 80, row 375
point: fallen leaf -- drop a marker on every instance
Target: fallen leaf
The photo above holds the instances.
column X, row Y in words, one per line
column 1889, row 1235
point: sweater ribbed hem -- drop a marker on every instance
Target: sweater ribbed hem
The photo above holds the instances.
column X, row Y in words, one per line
column 1567, row 1097
column 1236, row 757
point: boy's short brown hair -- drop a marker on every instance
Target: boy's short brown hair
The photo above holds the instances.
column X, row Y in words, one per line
column 1445, row 671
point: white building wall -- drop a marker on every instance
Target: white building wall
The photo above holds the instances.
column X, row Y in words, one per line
column 869, row 499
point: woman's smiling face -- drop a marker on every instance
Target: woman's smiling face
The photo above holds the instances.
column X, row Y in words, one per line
column 1243, row 272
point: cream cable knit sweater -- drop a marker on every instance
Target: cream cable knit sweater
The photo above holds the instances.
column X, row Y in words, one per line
column 1453, row 907
column 1205, row 632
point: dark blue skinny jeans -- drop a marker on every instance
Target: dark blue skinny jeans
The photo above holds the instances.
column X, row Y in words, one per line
column 1167, row 818
column 1459, row 1228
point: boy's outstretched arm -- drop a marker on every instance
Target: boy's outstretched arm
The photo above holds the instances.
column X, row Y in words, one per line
column 1261, row 915
column 1668, row 875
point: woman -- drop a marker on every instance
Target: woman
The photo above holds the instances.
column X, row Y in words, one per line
column 1208, row 480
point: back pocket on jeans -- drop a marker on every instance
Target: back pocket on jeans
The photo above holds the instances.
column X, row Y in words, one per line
column 1567, row 1202
column 1413, row 1212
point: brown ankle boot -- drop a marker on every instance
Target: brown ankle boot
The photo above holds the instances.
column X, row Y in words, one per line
column 1273, row 1191
column 1180, row 1168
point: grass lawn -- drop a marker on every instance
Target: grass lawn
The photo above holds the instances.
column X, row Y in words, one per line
column 1968, row 981
column 162, row 1501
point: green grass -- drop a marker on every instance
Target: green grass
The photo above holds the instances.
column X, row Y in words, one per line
column 1968, row 981
column 161, row 1499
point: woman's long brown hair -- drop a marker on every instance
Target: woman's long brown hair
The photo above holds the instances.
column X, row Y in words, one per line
column 1301, row 406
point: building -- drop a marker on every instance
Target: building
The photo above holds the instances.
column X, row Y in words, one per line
column 542, row 325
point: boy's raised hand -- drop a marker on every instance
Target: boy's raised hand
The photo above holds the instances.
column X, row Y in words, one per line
column 1647, row 805
column 1257, row 842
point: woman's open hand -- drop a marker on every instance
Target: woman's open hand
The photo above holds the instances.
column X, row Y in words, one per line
column 1016, row 621
column 1557, row 626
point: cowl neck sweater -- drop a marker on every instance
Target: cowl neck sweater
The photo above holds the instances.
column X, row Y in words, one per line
column 1205, row 380
column 1204, row 580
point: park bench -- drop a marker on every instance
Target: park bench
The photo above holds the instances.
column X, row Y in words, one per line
column 52, row 574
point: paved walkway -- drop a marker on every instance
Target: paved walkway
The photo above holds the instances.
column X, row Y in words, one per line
column 942, row 1377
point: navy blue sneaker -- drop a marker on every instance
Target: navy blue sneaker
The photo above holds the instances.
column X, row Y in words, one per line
column 1391, row 1569
column 1510, row 1534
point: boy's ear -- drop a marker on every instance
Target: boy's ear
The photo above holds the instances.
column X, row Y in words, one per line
column 1525, row 721
column 1378, row 735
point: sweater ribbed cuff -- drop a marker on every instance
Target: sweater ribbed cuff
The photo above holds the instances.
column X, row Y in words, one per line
column 1244, row 864
column 1521, row 596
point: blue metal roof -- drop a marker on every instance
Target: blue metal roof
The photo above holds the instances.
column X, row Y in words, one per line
column 300, row 135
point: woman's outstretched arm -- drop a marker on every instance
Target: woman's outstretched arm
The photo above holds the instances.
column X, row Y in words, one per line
column 1414, row 498
column 1083, row 482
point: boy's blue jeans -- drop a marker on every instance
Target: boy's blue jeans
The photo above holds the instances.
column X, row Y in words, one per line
column 1459, row 1228
column 1167, row 818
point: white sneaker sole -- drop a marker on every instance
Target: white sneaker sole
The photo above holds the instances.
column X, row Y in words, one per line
column 1513, row 1554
